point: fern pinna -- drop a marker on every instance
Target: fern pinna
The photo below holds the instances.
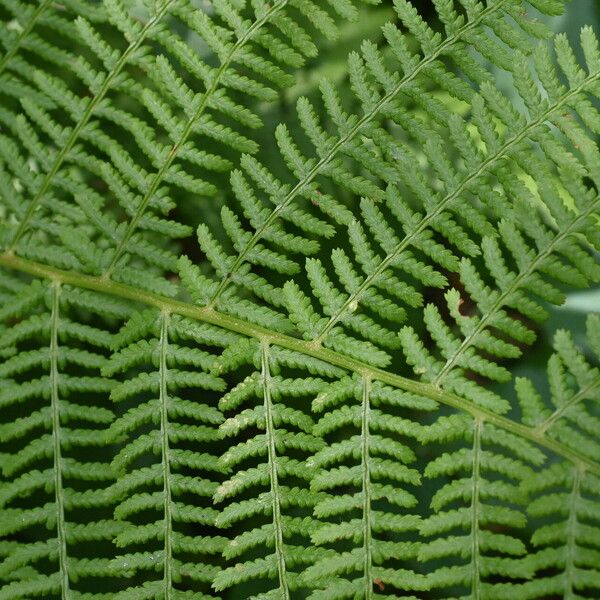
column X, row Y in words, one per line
column 53, row 493
column 372, row 464
column 161, row 471
column 269, row 474
column 252, row 351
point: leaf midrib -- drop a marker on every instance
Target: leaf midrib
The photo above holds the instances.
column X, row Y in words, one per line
column 475, row 510
column 571, row 541
column 366, row 488
column 211, row 316
column 165, row 456
column 56, row 442
column 272, row 464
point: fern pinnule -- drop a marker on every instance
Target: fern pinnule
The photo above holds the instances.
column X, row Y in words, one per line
column 54, row 497
column 167, row 465
column 202, row 287
column 275, row 209
column 368, row 491
column 31, row 38
column 268, row 481
column 429, row 367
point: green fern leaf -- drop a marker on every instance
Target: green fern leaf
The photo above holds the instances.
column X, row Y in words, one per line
column 268, row 482
column 365, row 481
column 236, row 35
column 378, row 92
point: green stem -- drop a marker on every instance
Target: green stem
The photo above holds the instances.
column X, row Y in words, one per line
column 56, row 435
column 272, row 458
column 208, row 315
column 366, row 489
column 164, row 436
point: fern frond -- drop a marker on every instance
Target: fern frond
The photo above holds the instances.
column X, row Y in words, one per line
column 251, row 428
column 551, row 258
column 572, row 417
column 561, row 253
column 53, row 500
column 565, row 503
column 268, row 489
column 235, row 358
column 547, row 252
column 167, row 468
column 564, row 497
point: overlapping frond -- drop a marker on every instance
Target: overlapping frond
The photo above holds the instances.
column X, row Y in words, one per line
column 564, row 507
column 183, row 102
column 499, row 322
column 383, row 280
column 277, row 225
column 270, row 435
column 536, row 249
column 166, row 467
column 55, row 517
column 368, row 504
